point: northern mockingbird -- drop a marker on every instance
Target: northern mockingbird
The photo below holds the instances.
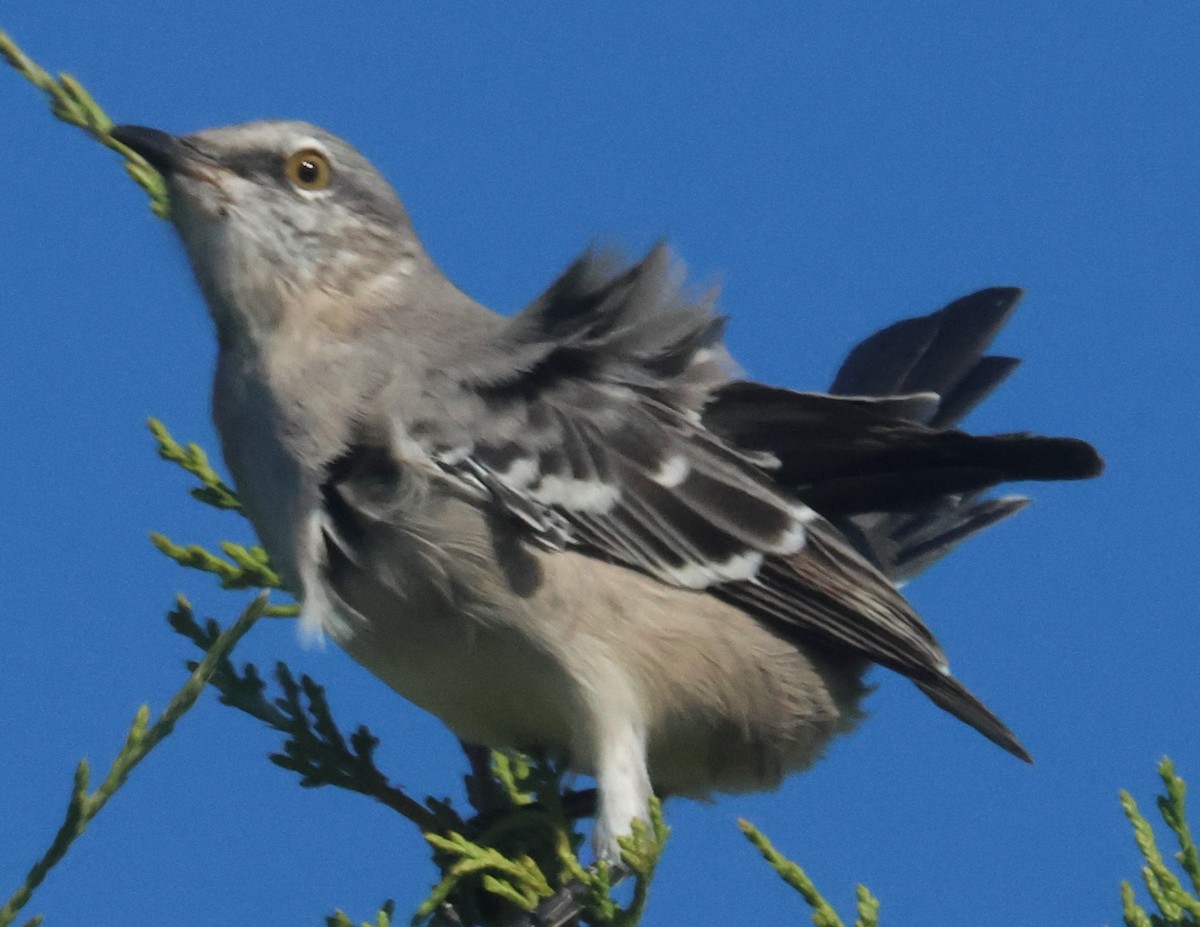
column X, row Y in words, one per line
column 576, row 528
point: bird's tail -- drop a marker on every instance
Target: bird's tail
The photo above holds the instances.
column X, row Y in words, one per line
column 943, row 353
column 880, row 456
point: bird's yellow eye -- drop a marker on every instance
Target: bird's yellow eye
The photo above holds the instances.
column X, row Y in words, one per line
column 308, row 169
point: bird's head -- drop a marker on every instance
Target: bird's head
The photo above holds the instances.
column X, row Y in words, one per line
column 276, row 216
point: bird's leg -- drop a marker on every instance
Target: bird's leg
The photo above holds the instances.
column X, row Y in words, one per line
column 560, row 909
column 622, row 779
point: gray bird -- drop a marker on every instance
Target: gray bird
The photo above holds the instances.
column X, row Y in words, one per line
column 575, row 528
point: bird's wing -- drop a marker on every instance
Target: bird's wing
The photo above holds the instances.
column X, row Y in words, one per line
column 593, row 436
column 586, row 425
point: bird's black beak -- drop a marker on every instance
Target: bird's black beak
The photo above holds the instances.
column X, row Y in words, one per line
column 166, row 153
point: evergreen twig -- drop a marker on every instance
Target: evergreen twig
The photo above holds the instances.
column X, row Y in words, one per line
column 314, row 746
column 824, row 914
column 213, row 490
column 1178, row 904
column 71, row 103
column 141, row 739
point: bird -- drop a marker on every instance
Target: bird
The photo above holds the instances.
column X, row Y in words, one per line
column 579, row 528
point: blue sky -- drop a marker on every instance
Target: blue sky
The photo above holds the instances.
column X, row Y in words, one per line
column 835, row 166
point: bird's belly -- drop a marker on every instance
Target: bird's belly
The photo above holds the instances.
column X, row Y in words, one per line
column 489, row 684
column 445, row 625
column 724, row 703
column 727, row 704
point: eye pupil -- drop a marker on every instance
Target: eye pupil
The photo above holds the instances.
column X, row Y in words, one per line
column 308, row 169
